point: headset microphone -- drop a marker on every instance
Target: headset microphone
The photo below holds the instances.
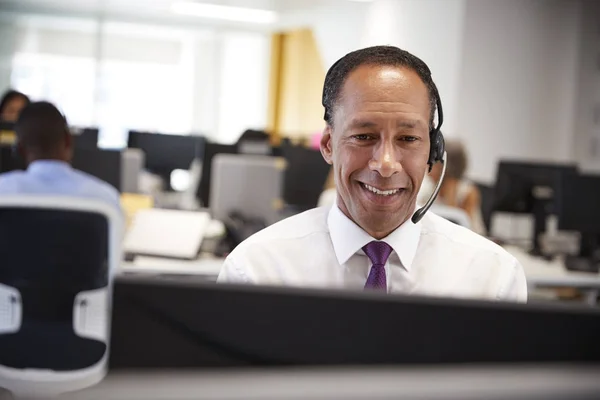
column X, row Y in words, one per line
column 420, row 213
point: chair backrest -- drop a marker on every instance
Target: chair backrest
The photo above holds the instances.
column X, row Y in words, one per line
column 58, row 258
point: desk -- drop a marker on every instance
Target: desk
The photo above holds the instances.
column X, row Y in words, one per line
column 544, row 274
column 373, row 383
column 206, row 266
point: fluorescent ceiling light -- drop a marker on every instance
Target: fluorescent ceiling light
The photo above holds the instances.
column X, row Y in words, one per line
column 239, row 14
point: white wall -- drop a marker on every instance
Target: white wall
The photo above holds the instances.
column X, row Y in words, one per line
column 518, row 81
column 587, row 128
column 430, row 29
column 507, row 70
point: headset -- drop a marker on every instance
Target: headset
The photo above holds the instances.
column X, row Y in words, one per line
column 437, row 152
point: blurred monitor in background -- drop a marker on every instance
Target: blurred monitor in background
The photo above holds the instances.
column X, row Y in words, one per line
column 166, row 153
column 531, row 188
column 103, row 164
column 305, row 176
column 85, row 138
column 11, row 105
column 45, row 145
column 210, row 151
column 254, row 142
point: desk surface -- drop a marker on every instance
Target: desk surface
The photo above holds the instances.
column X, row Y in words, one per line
column 449, row 382
column 205, row 265
column 542, row 273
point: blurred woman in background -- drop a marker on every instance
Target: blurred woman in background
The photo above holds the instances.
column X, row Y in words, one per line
column 11, row 105
column 456, row 190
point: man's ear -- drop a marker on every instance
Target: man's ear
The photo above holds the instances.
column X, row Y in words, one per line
column 326, row 145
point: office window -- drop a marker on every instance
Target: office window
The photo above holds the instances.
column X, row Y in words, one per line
column 64, row 80
column 123, row 76
column 243, row 84
column 54, row 60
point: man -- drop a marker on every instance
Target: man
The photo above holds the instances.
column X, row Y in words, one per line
column 45, row 144
column 379, row 108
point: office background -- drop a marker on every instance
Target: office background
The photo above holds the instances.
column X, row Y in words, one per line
column 519, row 79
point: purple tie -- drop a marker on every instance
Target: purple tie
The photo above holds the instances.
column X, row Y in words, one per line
column 378, row 253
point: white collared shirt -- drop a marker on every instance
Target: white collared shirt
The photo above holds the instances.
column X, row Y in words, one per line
column 322, row 248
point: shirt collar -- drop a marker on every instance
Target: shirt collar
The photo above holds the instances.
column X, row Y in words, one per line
column 348, row 238
column 47, row 165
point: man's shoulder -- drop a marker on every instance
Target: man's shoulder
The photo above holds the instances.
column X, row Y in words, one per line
column 101, row 188
column 457, row 236
column 8, row 179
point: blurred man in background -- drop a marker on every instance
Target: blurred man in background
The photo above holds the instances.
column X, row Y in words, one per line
column 380, row 104
column 45, row 144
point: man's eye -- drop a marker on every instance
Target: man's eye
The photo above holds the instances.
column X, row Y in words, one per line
column 362, row 137
column 409, row 138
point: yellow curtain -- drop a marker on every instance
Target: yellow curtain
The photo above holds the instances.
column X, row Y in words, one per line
column 296, row 82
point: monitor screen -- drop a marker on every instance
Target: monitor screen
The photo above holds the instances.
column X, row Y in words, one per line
column 8, row 161
column 516, row 183
column 181, row 322
column 305, row 176
column 164, row 153
column 85, row 138
column 579, row 204
column 103, row 164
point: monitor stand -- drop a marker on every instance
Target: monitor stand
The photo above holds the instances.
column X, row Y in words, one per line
column 540, row 215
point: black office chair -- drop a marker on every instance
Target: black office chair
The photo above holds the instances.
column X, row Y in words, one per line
column 57, row 257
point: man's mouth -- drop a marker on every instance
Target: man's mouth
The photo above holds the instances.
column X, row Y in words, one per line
column 380, row 192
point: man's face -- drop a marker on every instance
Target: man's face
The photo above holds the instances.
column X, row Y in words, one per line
column 379, row 146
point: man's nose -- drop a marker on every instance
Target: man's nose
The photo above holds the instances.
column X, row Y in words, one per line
column 385, row 159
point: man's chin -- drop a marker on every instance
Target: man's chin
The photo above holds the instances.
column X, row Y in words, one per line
column 380, row 226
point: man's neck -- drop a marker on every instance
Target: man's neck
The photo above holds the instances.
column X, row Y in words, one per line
column 45, row 157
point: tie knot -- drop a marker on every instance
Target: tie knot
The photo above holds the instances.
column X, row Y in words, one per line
column 378, row 252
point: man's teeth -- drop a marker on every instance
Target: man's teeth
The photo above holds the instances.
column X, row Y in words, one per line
column 381, row 192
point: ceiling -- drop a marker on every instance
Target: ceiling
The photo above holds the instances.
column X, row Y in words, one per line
column 158, row 11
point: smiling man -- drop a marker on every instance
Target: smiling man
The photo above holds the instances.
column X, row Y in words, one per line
column 381, row 139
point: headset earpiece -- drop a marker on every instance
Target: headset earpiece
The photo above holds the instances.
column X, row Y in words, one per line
column 436, row 138
column 436, row 150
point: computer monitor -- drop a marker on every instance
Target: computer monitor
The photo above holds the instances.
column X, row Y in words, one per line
column 8, row 161
column 210, row 151
column 103, row 164
column 579, row 210
column 165, row 153
column 85, row 138
column 305, row 176
column 181, row 322
column 531, row 188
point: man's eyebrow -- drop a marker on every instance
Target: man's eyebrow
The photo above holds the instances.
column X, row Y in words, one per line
column 362, row 123
column 405, row 124
column 409, row 123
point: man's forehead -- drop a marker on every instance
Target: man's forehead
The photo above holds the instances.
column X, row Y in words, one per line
column 384, row 83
